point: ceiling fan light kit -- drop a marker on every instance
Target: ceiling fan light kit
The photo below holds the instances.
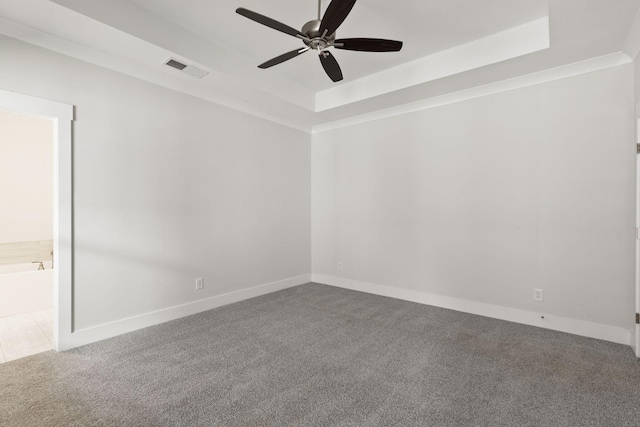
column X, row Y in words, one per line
column 320, row 35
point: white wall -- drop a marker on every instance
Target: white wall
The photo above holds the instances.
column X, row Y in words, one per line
column 487, row 199
column 26, row 178
column 168, row 188
column 481, row 200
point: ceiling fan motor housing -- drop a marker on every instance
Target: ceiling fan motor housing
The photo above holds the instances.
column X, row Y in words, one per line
column 312, row 30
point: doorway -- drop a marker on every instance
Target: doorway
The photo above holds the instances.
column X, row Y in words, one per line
column 26, row 235
column 61, row 116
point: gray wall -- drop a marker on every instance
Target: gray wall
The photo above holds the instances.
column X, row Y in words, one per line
column 169, row 188
column 637, row 84
column 487, row 199
column 482, row 200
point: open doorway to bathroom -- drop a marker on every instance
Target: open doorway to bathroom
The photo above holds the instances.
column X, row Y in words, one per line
column 26, row 235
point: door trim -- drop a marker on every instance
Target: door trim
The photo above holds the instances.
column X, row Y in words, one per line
column 635, row 334
column 62, row 117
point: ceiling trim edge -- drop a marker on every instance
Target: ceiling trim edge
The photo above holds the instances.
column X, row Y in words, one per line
column 50, row 42
column 508, row 44
column 570, row 70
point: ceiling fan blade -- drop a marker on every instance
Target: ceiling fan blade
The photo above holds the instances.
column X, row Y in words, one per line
column 335, row 15
column 271, row 23
column 331, row 66
column 280, row 59
column 368, row 45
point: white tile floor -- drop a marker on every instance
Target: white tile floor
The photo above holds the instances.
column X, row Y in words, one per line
column 25, row 334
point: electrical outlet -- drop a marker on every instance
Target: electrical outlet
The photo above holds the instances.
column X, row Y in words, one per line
column 199, row 283
column 339, row 265
column 538, row 295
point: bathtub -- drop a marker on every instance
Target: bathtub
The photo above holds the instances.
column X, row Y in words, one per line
column 23, row 268
column 23, row 288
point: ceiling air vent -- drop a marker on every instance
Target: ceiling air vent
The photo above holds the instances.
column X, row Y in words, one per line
column 175, row 64
column 189, row 69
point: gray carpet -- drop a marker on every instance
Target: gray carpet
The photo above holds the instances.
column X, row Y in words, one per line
column 316, row 355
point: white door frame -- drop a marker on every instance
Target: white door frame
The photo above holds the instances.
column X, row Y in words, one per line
column 635, row 338
column 62, row 116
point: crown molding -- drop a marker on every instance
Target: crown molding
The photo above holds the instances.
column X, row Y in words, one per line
column 571, row 70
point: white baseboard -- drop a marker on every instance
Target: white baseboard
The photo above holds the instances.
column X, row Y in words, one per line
column 119, row 327
column 556, row 323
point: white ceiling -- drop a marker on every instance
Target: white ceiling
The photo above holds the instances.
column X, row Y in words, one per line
column 418, row 23
column 450, row 46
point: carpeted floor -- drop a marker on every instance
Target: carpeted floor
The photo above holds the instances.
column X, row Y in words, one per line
column 316, row 355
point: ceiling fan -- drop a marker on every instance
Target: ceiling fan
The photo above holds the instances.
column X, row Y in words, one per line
column 320, row 35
